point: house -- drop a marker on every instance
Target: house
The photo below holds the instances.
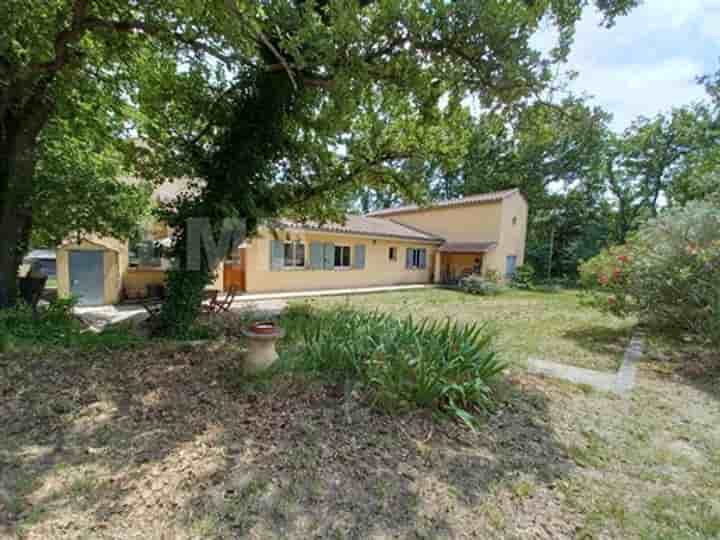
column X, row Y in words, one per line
column 437, row 243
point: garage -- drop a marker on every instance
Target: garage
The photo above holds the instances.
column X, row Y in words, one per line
column 91, row 270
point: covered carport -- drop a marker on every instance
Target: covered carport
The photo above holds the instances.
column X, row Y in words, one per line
column 456, row 260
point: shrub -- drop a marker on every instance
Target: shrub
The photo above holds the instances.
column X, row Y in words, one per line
column 668, row 274
column 479, row 285
column 524, row 277
column 444, row 367
column 46, row 325
column 493, row 276
column 183, row 305
column 54, row 324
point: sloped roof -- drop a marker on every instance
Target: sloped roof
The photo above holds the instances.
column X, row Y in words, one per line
column 467, row 247
column 41, row 254
column 473, row 199
column 363, row 225
column 166, row 192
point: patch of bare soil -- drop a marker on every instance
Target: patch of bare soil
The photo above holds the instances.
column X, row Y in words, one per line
column 170, row 442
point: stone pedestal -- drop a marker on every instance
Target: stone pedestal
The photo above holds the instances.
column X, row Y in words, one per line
column 261, row 353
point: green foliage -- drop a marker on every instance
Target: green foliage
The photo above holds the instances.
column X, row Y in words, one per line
column 80, row 190
column 446, row 367
column 483, row 286
column 54, row 325
column 668, row 273
column 524, row 277
column 186, row 291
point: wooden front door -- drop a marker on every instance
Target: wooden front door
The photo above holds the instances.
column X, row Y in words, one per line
column 234, row 271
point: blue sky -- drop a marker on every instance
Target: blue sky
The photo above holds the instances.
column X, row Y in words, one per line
column 647, row 63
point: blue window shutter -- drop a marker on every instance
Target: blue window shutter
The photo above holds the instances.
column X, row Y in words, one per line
column 329, row 256
column 359, row 259
column 277, row 255
column 408, row 258
column 317, row 253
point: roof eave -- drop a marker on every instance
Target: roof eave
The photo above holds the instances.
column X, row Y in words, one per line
column 390, row 212
column 362, row 234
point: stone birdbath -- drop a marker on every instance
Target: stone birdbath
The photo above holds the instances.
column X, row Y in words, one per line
column 261, row 338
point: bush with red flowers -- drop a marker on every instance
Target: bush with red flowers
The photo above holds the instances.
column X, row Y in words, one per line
column 667, row 274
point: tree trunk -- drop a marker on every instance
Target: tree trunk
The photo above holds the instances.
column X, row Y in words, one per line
column 17, row 166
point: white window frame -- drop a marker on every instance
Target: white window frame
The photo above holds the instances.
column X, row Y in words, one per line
column 341, row 266
column 392, row 254
column 291, row 263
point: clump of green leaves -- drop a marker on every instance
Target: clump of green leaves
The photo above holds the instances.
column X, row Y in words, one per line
column 445, row 367
column 480, row 285
column 668, row 274
column 54, row 325
column 183, row 305
column 524, row 277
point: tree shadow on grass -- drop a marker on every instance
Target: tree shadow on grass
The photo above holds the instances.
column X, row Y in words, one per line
column 669, row 354
column 163, row 442
column 603, row 340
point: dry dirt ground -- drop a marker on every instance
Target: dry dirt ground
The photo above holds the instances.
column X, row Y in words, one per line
column 169, row 441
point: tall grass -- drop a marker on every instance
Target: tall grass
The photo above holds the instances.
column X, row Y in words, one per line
column 445, row 367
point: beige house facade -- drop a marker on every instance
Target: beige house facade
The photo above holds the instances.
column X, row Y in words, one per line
column 438, row 243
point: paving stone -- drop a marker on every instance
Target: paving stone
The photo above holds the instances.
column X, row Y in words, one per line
column 621, row 382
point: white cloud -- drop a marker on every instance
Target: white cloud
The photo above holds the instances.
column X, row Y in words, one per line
column 648, row 62
column 632, row 90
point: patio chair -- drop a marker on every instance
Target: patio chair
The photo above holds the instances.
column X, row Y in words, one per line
column 154, row 301
column 219, row 306
column 153, row 309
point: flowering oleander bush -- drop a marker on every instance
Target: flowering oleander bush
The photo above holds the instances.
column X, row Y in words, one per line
column 668, row 274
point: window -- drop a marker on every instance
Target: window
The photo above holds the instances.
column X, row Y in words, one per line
column 514, row 220
column 416, row 258
column 294, row 255
column 342, row 256
column 392, row 254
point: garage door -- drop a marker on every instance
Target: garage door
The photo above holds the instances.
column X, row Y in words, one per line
column 86, row 277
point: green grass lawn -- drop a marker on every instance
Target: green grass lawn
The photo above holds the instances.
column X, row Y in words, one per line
column 549, row 326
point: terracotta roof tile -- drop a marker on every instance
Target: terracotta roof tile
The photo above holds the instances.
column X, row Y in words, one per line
column 364, row 225
column 472, row 199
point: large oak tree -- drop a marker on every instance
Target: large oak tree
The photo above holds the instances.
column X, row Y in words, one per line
column 391, row 54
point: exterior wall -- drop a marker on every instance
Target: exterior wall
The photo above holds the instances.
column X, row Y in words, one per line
column 112, row 262
column 378, row 270
column 512, row 237
column 136, row 280
column 472, row 223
